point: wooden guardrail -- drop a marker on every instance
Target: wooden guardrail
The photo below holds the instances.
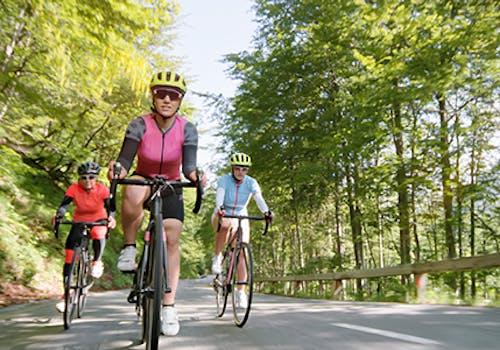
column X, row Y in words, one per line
column 459, row 264
column 420, row 270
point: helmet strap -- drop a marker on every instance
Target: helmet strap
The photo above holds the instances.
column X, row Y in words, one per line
column 234, row 177
column 164, row 117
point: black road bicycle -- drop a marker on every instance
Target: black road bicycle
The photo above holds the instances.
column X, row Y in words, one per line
column 151, row 275
column 237, row 273
column 79, row 280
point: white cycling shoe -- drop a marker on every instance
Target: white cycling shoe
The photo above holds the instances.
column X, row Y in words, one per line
column 126, row 260
column 60, row 306
column 170, row 321
column 217, row 264
column 241, row 299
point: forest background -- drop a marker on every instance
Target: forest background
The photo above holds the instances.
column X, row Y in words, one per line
column 373, row 126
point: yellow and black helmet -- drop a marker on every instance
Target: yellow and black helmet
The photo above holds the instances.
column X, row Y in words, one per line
column 240, row 159
column 168, row 78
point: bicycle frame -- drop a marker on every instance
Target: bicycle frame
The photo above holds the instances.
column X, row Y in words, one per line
column 151, row 275
column 236, row 253
column 80, row 265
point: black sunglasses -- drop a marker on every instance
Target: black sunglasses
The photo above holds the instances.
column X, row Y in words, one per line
column 88, row 177
column 173, row 95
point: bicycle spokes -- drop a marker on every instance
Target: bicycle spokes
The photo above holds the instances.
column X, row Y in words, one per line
column 242, row 282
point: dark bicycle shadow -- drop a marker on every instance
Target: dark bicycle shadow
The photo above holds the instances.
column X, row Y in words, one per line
column 23, row 329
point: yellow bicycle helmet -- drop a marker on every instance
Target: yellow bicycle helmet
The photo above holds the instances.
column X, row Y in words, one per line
column 240, row 159
column 167, row 78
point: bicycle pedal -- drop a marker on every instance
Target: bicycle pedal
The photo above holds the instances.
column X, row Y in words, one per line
column 132, row 297
column 128, row 272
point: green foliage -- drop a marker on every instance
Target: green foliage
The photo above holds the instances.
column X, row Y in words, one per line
column 73, row 75
column 369, row 122
column 373, row 127
column 29, row 253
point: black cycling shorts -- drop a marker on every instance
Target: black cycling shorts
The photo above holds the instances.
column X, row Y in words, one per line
column 173, row 203
column 173, row 206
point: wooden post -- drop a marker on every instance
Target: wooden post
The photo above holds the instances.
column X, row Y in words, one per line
column 337, row 288
column 421, row 280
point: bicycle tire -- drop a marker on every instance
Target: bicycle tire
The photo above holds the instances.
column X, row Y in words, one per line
column 85, row 281
column 146, row 302
column 155, row 302
column 222, row 288
column 139, row 277
column 147, row 313
column 71, row 290
column 243, row 255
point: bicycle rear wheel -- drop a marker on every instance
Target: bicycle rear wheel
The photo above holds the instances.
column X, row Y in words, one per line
column 222, row 289
column 242, row 284
column 71, row 290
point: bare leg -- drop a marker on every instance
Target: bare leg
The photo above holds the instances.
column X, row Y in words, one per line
column 132, row 211
column 222, row 234
column 173, row 229
column 242, row 270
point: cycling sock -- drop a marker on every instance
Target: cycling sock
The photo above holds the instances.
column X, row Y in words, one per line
column 130, row 245
column 168, row 305
column 66, row 270
column 98, row 246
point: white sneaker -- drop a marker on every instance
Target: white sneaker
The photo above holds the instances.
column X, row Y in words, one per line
column 170, row 322
column 97, row 269
column 60, row 306
column 126, row 260
column 241, row 299
column 217, row 264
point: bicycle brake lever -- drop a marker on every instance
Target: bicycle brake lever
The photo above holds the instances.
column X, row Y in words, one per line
column 199, row 191
column 56, row 230
column 117, row 170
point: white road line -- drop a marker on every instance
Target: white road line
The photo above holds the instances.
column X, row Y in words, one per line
column 389, row 334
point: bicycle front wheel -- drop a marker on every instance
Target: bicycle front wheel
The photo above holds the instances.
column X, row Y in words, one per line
column 242, row 284
column 85, row 282
column 154, row 296
column 221, row 287
column 71, row 290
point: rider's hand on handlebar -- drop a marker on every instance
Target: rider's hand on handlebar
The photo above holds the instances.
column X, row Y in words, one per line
column 269, row 216
column 111, row 222
column 56, row 219
column 193, row 176
column 111, row 170
column 221, row 212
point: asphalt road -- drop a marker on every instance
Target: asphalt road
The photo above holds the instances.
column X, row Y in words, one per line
column 109, row 322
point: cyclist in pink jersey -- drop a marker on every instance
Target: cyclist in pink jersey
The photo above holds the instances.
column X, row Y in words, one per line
column 91, row 204
column 164, row 142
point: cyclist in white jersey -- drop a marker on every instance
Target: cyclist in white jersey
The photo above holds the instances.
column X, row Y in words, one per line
column 234, row 191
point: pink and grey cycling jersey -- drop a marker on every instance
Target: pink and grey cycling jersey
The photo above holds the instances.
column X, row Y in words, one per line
column 160, row 152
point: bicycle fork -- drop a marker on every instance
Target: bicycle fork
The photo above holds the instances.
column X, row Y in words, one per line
column 166, row 287
column 148, row 290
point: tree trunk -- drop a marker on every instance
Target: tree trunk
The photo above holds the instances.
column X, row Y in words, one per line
column 402, row 189
column 298, row 240
column 446, row 178
column 338, row 223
